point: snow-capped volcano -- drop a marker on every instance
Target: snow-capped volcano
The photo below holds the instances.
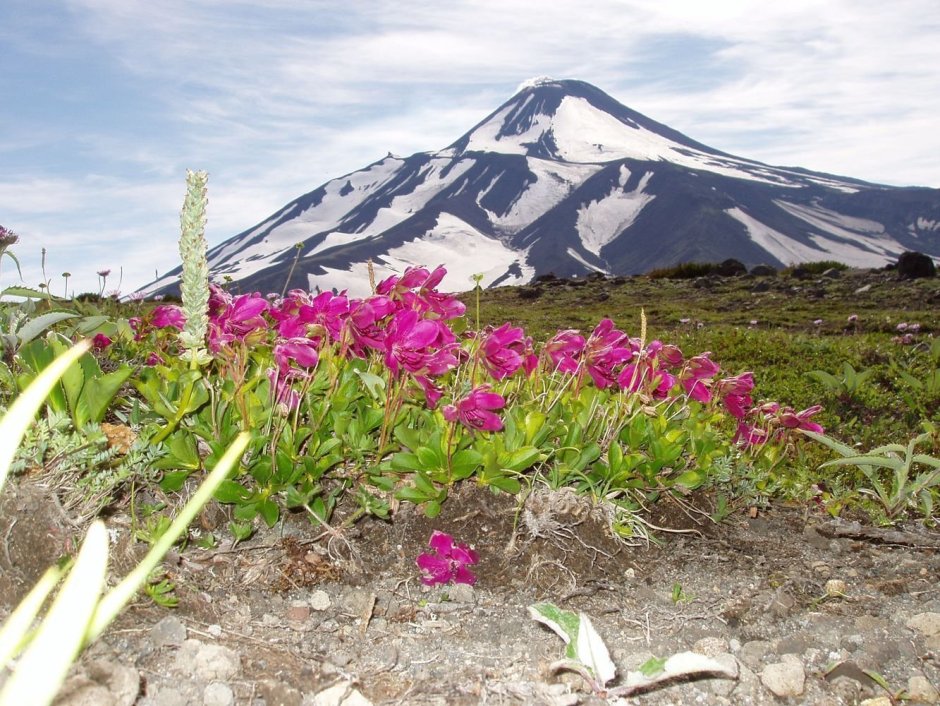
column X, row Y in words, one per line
column 562, row 178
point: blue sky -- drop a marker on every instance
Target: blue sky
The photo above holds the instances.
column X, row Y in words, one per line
column 106, row 103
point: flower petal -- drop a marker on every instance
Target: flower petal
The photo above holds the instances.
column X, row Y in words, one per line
column 441, row 542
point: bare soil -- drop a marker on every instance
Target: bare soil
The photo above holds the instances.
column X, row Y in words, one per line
column 304, row 615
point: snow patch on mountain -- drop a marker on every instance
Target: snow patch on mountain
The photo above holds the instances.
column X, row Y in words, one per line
column 236, row 246
column 465, row 250
column 340, row 197
column 927, row 224
column 553, row 182
column 487, row 137
column 784, row 248
column 831, row 222
column 600, row 222
column 855, row 249
column 575, row 255
column 428, row 183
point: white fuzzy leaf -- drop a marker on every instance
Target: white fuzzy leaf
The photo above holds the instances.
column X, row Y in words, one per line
column 685, row 666
column 591, row 651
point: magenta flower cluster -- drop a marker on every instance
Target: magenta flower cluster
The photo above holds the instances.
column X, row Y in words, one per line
column 405, row 324
column 613, row 359
column 447, row 561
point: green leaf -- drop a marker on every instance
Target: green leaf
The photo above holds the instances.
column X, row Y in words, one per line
column 429, row 459
column 269, row 511
column 37, row 325
column 374, row 384
column 521, row 459
column 404, row 461
column 506, row 483
column 588, row 455
column 409, row 438
column 465, row 462
column 246, row 512
column 183, row 449
column 231, row 492
column 614, row 456
column 534, row 423
column 240, row 530
column 432, row 509
column 29, row 293
column 412, row 495
column 173, row 481
column 894, row 464
column 690, row 479
column 425, row 485
column 99, row 392
column 653, row 666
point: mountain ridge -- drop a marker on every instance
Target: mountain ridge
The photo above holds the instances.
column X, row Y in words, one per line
column 562, row 178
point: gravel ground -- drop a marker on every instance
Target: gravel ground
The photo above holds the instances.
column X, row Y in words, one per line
column 804, row 609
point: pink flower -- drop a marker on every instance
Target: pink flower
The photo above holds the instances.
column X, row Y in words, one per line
column 420, row 346
column 789, row 419
column 302, row 351
column 285, row 396
column 432, row 393
column 447, row 561
column 395, row 286
column 364, row 326
column 167, row 316
column 644, row 375
column 697, row 376
column 604, row 352
column 564, row 349
column 100, row 342
column 672, row 356
column 234, row 318
column 322, row 316
column 153, row 359
column 505, row 350
column 473, row 411
column 749, row 435
column 735, row 393
column 853, row 318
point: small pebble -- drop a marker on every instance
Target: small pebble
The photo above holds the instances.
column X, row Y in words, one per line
column 836, row 588
column 786, row 677
column 169, row 632
column 299, row 611
column 320, row 600
column 218, row 694
column 927, row 624
column 921, row 690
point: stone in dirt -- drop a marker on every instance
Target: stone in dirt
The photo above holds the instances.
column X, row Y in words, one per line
column 320, row 600
column 921, row 690
column 218, row 694
column 169, row 632
column 928, row 624
column 342, row 694
column 207, row 662
column 101, row 683
column 786, row 677
column 914, row 265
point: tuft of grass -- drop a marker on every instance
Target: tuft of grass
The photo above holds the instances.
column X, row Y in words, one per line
column 684, row 270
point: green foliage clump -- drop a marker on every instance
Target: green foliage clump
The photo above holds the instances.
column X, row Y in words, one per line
column 817, row 267
column 684, row 270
